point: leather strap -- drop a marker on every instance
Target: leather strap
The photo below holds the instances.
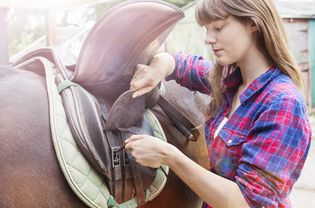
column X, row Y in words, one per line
column 138, row 183
column 179, row 120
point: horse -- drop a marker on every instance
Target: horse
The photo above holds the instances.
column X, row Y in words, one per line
column 30, row 175
column 29, row 171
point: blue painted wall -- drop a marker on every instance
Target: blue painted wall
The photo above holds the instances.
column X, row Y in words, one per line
column 312, row 58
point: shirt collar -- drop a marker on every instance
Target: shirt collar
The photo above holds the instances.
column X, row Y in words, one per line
column 233, row 80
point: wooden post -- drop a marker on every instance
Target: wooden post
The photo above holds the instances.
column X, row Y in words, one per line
column 51, row 39
column 4, row 42
column 311, row 47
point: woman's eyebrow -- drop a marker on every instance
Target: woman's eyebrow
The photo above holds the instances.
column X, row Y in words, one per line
column 222, row 19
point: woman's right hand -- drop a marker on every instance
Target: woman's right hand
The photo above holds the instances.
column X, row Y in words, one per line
column 147, row 77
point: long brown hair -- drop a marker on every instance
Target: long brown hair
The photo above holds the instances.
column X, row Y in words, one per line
column 271, row 38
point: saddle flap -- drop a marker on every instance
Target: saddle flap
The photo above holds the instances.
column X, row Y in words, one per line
column 125, row 112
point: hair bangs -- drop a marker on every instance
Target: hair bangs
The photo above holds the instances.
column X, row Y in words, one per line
column 209, row 10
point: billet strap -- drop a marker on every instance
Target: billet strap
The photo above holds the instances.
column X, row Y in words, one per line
column 137, row 180
column 180, row 120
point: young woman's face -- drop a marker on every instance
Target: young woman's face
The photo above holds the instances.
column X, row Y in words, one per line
column 230, row 39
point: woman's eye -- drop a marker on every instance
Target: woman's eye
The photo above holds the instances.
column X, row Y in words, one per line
column 218, row 28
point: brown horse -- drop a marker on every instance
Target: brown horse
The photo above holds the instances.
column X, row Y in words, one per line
column 29, row 172
column 30, row 175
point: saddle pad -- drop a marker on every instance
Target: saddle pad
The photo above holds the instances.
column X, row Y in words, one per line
column 88, row 185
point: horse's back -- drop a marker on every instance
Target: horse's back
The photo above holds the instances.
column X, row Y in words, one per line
column 30, row 175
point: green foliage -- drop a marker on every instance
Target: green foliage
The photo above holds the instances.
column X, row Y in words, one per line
column 179, row 3
column 24, row 27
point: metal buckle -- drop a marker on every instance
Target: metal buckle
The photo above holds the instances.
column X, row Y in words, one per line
column 115, row 156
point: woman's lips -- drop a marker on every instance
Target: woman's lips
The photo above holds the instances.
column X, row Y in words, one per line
column 216, row 50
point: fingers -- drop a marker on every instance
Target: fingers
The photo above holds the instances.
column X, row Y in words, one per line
column 134, row 138
column 142, row 77
column 146, row 150
column 144, row 80
column 128, row 142
column 140, row 73
column 142, row 91
column 139, row 83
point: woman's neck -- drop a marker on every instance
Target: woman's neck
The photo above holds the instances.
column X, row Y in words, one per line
column 253, row 65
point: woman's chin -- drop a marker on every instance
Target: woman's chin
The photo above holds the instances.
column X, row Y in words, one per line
column 222, row 61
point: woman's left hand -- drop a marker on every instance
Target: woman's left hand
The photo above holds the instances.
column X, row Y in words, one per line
column 148, row 150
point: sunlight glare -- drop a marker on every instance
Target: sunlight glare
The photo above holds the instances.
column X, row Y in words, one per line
column 42, row 3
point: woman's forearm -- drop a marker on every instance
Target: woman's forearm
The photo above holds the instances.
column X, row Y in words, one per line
column 213, row 189
column 163, row 61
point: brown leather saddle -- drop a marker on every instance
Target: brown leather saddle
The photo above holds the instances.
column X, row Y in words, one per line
column 95, row 92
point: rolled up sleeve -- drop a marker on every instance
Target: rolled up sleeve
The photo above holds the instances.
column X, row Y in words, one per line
column 192, row 72
column 275, row 153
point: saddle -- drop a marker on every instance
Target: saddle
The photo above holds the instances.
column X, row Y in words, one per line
column 95, row 92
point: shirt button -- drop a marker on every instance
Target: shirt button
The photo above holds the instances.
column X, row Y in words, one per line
column 229, row 141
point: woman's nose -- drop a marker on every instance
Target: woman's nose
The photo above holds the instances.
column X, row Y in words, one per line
column 210, row 40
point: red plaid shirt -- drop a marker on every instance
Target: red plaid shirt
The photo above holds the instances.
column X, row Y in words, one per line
column 264, row 144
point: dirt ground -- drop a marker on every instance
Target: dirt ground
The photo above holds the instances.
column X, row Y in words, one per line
column 303, row 193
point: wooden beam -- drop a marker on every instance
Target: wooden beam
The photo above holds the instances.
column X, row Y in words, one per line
column 311, row 46
column 4, row 46
column 51, row 28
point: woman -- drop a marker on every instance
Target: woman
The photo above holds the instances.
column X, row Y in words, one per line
column 258, row 133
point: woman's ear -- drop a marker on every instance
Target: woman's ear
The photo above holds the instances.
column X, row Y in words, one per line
column 253, row 26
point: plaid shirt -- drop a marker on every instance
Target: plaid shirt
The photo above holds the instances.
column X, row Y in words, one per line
column 264, row 144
